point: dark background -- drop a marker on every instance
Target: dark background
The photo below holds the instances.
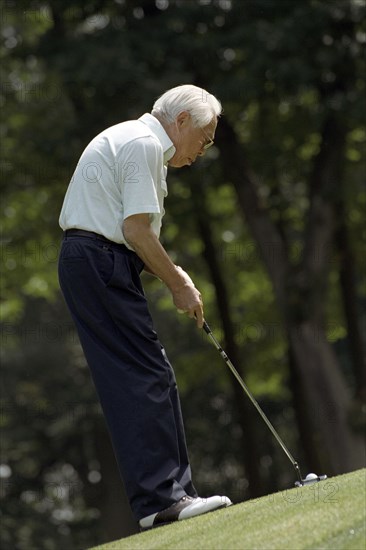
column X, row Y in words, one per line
column 269, row 224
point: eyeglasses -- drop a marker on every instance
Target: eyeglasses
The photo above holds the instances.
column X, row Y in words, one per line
column 209, row 143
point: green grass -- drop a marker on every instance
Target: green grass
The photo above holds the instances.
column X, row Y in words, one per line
column 329, row 514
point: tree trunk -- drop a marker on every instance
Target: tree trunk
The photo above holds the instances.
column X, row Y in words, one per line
column 116, row 518
column 245, row 415
column 300, row 294
column 349, row 299
column 334, row 447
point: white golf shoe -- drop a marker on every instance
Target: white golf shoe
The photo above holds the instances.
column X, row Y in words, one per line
column 186, row 507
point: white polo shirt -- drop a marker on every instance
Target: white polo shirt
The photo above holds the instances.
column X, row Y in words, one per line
column 120, row 173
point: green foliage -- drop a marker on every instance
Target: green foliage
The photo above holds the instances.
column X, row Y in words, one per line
column 69, row 71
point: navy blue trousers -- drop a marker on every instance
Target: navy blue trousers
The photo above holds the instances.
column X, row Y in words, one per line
column 132, row 375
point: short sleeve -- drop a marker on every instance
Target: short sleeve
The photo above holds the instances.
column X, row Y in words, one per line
column 141, row 163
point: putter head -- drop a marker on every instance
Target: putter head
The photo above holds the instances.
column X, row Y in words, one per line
column 310, row 478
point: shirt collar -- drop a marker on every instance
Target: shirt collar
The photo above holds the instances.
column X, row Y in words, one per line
column 157, row 128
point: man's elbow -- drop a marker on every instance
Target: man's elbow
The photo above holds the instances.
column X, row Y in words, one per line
column 134, row 231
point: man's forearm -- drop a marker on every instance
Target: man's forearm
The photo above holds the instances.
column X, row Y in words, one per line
column 138, row 233
column 148, row 247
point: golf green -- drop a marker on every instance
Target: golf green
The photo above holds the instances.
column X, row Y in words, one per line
column 330, row 514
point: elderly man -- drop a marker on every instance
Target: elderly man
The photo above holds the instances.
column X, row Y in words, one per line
column 111, row 219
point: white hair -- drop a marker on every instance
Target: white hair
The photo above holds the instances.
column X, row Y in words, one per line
column 202, row 106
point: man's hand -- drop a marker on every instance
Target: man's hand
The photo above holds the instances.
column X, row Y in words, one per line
column 187, row 298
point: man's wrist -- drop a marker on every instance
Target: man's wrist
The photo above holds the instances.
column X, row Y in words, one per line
column 178, row 281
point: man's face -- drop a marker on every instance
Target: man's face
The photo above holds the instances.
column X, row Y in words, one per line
column 189, row 141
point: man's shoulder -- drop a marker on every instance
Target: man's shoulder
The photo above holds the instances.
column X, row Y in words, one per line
column 131, row 131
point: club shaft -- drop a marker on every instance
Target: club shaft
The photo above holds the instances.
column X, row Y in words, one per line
column 252, row 399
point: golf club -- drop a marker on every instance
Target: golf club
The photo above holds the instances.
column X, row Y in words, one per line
column 310, row 478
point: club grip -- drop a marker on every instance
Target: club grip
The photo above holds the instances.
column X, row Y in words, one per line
column 206, row 328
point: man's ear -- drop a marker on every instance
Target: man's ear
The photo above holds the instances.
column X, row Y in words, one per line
column 183, row 118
